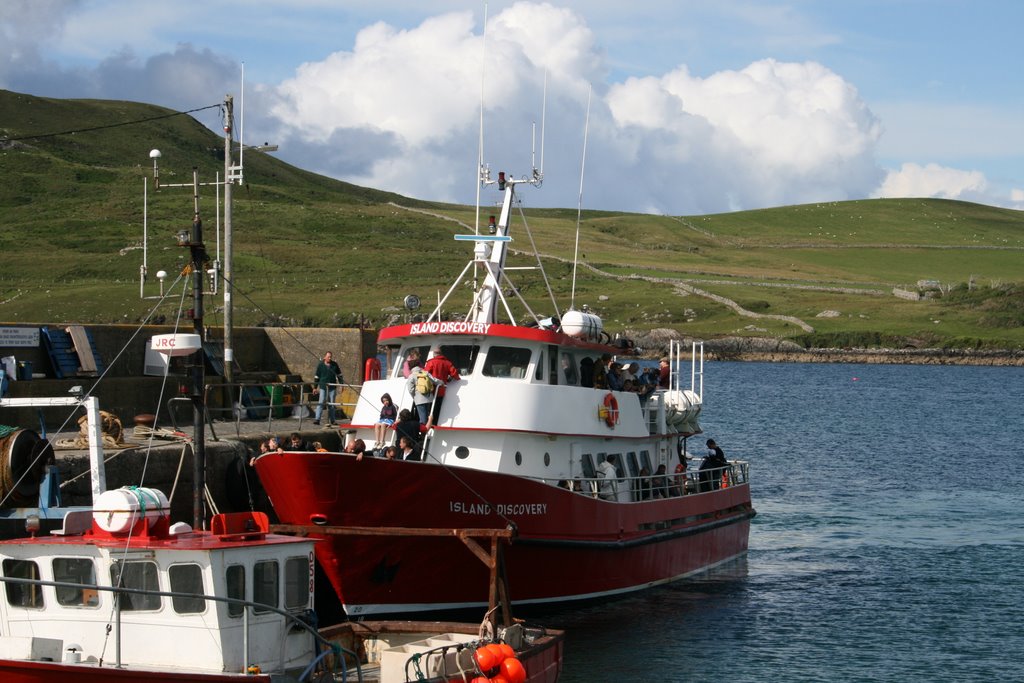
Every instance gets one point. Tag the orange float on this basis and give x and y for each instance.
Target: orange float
(507, 650)
(513, 670)
(485, 659)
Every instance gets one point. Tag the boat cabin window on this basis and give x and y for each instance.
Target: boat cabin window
(187, 578)
(569, 371)
(75, 570)
(138, 575)
(424, 351)
(634, 469)
(235, 578)
(22, 594)
(462, 356)
(587, 465)
(586, 371)
(645, 461)
(296, 582)
(552, 365)
(264, 585)
(506, 361)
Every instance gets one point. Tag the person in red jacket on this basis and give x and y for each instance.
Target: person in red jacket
(442, 369)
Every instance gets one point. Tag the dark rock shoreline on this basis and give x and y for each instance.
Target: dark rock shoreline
(782, 351)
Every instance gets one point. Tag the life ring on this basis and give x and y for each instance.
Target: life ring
(372, 370)
(609, 411)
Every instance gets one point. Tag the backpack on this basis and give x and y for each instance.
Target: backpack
(424, 384)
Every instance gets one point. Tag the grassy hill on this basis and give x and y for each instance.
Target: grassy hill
(315, 251)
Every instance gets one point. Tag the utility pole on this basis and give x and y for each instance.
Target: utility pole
(197, 252)
(229, 178)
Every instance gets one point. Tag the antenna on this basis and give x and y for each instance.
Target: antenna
(538, 174)
(241, 126)
(543, 120)
(480, 141)
(579, 205)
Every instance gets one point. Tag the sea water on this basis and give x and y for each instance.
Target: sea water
(888, 544)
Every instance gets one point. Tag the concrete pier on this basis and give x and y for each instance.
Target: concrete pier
(166, 464)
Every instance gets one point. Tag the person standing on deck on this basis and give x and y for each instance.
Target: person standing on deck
(711, 468)
(327, 377)
(609, 485)
(407, 425)
(422, 387)
(664, 371)
(441, 368)
(601, 371)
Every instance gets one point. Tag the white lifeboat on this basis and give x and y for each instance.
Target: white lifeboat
(176, 344)
(582, 325)
(682, 408)
(119, 510)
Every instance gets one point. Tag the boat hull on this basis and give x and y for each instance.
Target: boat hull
(12, 671)
(566, 545)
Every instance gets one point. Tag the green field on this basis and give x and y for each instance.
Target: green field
(313, 251)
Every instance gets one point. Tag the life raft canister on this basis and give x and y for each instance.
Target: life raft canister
(372, 369)
(609, 410)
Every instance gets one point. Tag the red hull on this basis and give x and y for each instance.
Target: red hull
(568, 546)
(42, 672)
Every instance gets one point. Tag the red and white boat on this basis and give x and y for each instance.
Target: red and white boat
(119, 594)
(512, 432)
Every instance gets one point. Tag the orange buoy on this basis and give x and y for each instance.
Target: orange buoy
(513, 670)
(485, 659)
(725, 479)
(499, 654)
(507, 650)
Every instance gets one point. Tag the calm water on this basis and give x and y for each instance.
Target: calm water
(888, 546)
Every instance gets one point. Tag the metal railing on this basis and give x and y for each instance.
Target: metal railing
(264, 401)
(649, 487)
(292, 620)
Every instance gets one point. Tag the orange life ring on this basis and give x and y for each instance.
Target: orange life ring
(611, 410)
(372, 370)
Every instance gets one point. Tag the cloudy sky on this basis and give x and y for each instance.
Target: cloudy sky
(694, 106)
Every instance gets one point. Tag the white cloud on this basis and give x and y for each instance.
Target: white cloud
(398, 108)
(772, 133)
(932, 180)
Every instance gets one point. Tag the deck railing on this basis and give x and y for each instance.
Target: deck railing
(263, 401)
(648, 487)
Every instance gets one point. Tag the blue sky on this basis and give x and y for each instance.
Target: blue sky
(696, 107)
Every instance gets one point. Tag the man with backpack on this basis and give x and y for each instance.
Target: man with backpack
(443, 371)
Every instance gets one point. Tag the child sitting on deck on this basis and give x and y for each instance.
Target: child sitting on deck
(388, 415)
